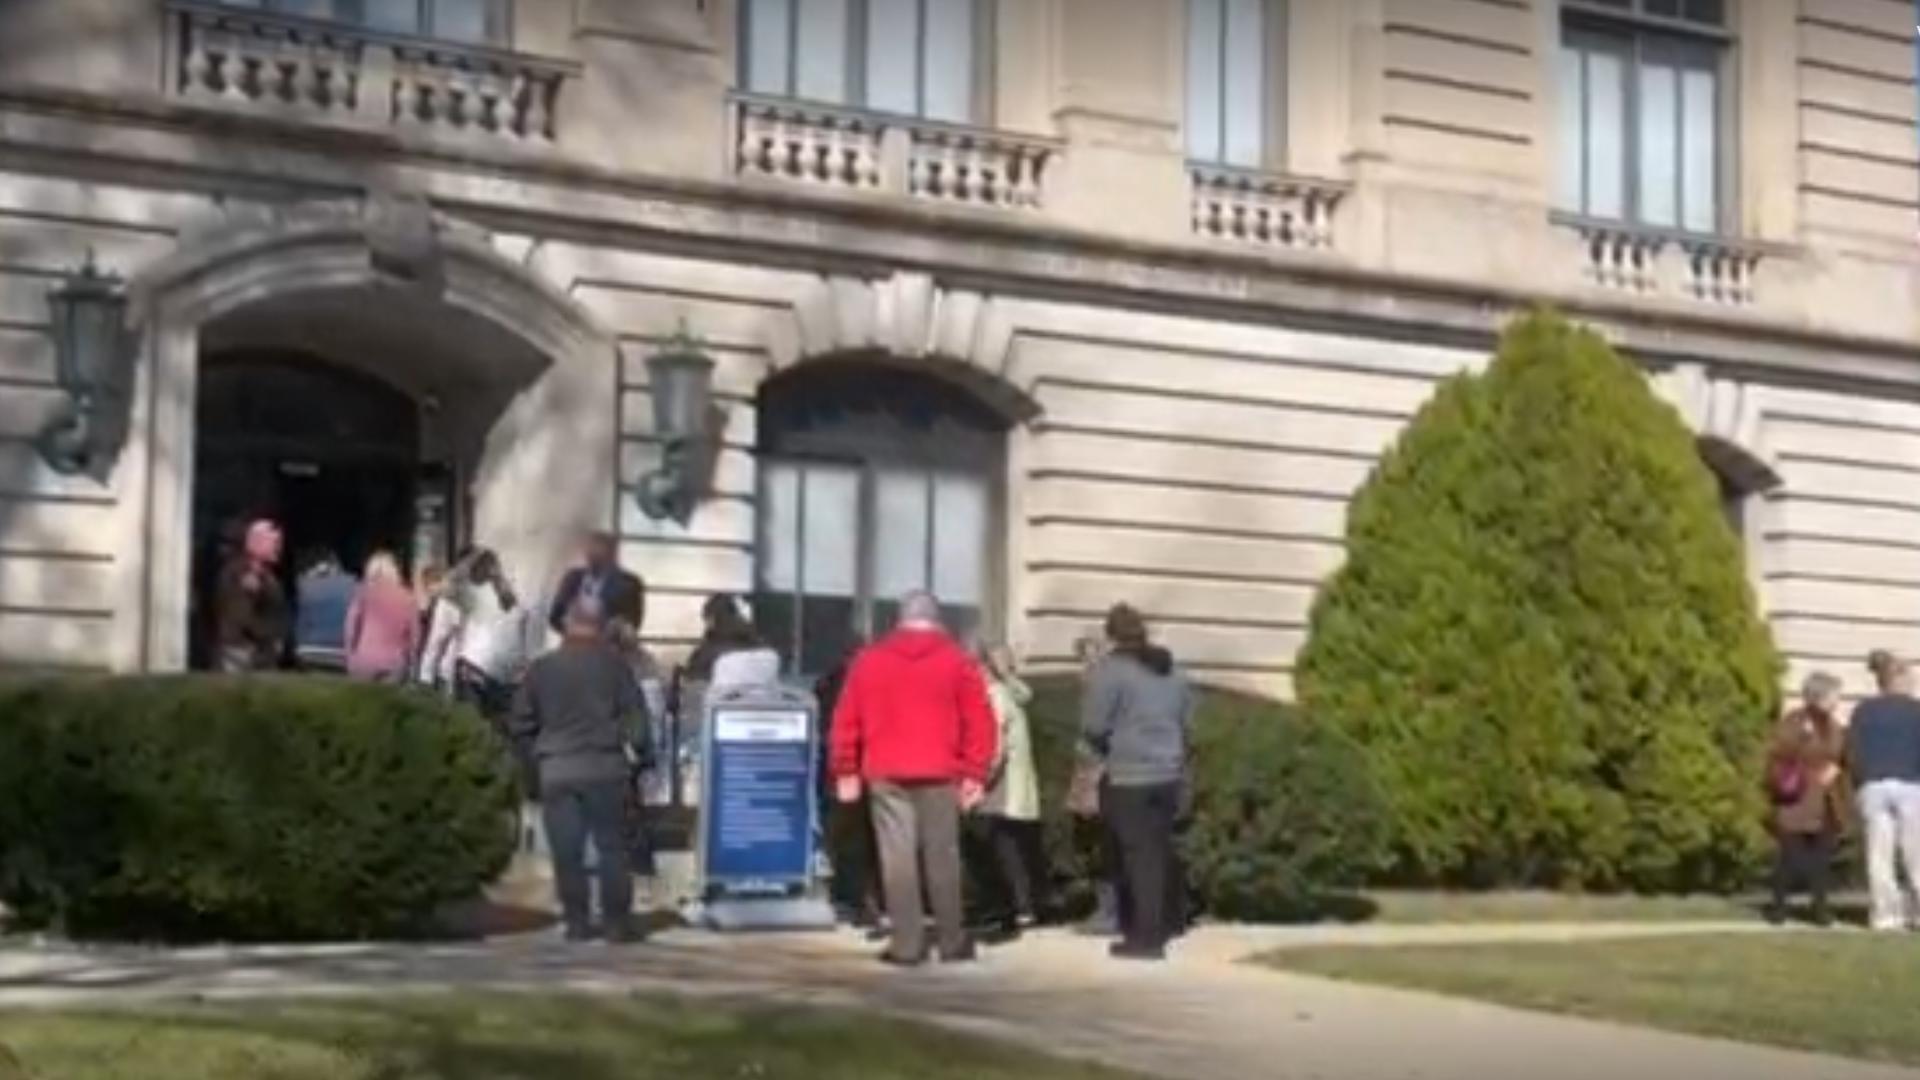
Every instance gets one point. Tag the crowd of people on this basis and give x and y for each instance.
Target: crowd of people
(927, 761)
(927, 764)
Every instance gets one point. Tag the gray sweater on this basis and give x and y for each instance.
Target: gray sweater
(1137, 714)
(579, 709)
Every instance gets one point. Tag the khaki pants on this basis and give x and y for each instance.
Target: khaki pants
(919, 825)
(1890, 811)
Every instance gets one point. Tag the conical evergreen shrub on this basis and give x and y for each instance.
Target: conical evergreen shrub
(1544, 636)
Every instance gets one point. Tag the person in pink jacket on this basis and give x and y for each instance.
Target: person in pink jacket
(383, 624)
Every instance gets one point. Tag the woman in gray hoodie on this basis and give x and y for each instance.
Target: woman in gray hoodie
(1137, 717)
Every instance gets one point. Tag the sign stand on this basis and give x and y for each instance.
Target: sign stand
(758, 812)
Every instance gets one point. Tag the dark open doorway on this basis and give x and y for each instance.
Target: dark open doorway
(331, 454)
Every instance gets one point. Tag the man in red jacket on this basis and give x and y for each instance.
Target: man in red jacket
(914, 726)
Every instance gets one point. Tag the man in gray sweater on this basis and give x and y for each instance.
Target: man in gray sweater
(579, 711)
(1137, 716)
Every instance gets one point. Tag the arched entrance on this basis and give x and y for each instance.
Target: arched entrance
(875, 480)
(332, 454)
(360, 371)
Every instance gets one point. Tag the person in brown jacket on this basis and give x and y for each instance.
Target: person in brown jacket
(1803, 779)
(250, 606)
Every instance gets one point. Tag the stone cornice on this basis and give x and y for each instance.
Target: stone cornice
(544, 194)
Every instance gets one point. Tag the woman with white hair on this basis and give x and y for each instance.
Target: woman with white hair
(1803, 777)
(382, 624)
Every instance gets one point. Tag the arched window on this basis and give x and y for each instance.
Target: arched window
(873, 481)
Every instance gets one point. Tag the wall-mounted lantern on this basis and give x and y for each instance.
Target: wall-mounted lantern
(95, 357)
(682, 384)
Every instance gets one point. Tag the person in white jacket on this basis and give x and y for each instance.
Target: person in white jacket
(481, 637)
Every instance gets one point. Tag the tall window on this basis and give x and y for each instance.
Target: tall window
(475, 22)
(914, 57)
(1643, 123)
(873, 482)
(1234, 103)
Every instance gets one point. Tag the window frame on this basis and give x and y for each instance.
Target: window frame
(868, 599)
(1639, 34)
(980, 96)
(500, 20)
(1274, 97)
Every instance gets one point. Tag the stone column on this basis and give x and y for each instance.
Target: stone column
(1118, 102)
(1768, 85)
(651, 98)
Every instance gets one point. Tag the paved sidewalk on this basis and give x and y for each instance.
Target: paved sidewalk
(1203, 1017)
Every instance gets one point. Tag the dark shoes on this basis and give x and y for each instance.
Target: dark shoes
(618, 932)
(625, 932)
(1123, 950)
(965, 954)
(1820, 915)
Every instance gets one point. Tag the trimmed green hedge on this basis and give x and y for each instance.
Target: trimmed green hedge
(244, 809)
(1286, 814)
(1544, 637)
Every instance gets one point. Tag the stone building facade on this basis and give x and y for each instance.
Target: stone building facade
(1046, 303)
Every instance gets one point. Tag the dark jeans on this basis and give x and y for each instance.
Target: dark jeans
(1013, 865)
(1093, 843)
(856, 859)
(1141, 820)
(1804, 858)
(573, 812)
(494, 701)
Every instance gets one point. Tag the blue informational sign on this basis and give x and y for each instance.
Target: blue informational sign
(757, 806)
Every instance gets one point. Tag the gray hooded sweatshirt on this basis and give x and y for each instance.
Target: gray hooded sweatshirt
(1137, 714)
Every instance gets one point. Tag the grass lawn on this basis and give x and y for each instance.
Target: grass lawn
(1411, 907)
(1842, 992)
(499, 1037)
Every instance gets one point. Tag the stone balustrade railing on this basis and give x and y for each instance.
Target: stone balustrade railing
(278, 63)
(852, 150)
(807, 144)
(252, 58)
(1264, 209)
(977, 168)
(475, 91)
(1653, 262)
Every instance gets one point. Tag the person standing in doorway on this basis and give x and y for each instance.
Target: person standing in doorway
(600, 578)
(250, 606)
(1011, 810)
(579, 717)
(383, 623)
(913, 724)
(1803, 775)
(322, 596)
(1137, 716)
(1883, 756)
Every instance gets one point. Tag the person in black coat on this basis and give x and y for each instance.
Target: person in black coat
(620, 594)
(851, 845)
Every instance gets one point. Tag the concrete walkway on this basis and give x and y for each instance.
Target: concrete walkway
(1203, 1017)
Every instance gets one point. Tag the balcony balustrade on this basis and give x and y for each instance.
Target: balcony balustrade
(829, 147)
(286, 65)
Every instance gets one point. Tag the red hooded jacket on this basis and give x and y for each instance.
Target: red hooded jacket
(914, 708)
